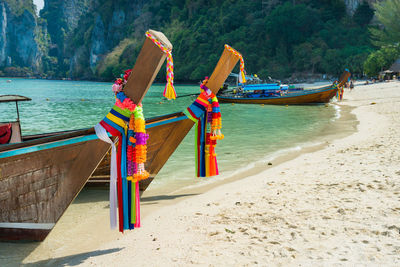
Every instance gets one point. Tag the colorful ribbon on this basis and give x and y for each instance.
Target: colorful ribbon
(102, 134)
(205, 112)
(169, 90)
(236, 53)
(126, 123)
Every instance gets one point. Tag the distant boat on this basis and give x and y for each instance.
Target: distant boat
(40, 175)
(8, 81)
(274, 94)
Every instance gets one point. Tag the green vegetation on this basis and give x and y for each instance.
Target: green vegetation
(276, 40)
(386, 36)
(381, 60)
(19, 6)
(16, 72)
(388, 14)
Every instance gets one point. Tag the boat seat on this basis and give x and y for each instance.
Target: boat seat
(10, 133)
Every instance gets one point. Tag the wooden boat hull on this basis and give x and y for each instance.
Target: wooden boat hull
(314, 96)
(37, 187)
(39, 178)
(38, 183)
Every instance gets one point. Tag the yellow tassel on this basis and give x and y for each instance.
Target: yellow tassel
(243, 76)
(170, 93)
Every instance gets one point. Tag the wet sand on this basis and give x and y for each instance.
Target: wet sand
(335, 203)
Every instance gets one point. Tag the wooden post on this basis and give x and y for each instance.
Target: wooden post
(147, 65)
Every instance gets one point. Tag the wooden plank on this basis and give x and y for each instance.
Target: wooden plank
(224, 67)
(147, 65)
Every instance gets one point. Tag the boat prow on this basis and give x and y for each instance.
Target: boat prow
(40, 177)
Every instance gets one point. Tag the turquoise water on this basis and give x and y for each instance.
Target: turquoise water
(252, 132)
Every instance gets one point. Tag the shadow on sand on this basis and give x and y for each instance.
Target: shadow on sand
(154, 199)
(72, 260)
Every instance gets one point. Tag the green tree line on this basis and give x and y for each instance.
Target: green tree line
(385, 36)
(276, 40)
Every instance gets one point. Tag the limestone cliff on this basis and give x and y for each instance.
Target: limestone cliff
(18, 32)
(99, 33)
(352, 5)
(86, 39)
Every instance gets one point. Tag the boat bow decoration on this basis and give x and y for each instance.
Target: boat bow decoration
(205, 112)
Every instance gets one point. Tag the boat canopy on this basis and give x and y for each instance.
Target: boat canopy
(13, 98)
(264, 86)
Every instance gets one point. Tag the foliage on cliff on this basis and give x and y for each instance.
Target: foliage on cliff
(19, 6)
(386, 36)
(96, 39)
(277, 38)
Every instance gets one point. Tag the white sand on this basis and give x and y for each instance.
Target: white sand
(336, 206)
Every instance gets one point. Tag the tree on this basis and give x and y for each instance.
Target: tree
(381, 60)
(388, 14)
(363, 14)
(288, 25)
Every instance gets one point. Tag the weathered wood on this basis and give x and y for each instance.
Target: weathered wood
(146, 68)
(37, 187)
(46, 138)
(224, 67)
(161, 145)
(222, 70)
(344, 78)
(23, 234)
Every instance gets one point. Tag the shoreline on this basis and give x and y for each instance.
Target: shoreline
(186, 205)
(347, 124)
(337, 205)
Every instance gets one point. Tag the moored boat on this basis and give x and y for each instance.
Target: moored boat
(275, 94)
(181, 127)
(41, 175)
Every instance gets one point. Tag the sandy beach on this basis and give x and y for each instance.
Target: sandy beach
(334, 204)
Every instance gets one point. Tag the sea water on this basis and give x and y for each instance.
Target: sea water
(253, 133)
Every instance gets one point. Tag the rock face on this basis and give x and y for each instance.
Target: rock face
(18, 44)
(71, 37)
(62, 18)
(352, 5)
(102, 29)
(98, 43)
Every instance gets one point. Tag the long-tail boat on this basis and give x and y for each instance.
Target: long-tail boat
(179, 125)
(41, 175)
(274, 95)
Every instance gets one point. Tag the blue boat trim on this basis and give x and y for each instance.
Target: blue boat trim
(183, 117)
(305, 92)
(73, 140)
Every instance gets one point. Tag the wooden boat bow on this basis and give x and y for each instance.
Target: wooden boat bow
(41, 177)
(181, 128)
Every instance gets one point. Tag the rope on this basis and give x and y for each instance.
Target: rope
(169, 91)
(236, 53)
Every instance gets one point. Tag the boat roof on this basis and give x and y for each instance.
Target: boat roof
(262, 86)
(13, 98)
